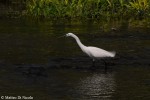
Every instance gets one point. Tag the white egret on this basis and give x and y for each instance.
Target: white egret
(93, 52)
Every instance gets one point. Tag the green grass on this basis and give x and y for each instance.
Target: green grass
(93, 9)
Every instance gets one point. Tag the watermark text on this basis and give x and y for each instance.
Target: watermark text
(16, 97)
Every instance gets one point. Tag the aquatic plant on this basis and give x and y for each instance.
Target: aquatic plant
(139, 7)
(87, 8)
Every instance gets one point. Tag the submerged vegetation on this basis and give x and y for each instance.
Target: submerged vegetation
(89, 8)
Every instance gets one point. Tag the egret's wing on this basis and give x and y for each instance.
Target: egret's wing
(98, 52)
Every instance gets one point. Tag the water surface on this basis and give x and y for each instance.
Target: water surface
(35, 62)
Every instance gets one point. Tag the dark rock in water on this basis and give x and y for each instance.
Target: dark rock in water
(77, 63)
(36, 70)
(32, 70)
(114, 29)
(131, 60)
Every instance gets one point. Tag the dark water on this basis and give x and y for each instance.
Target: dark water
(35, 62)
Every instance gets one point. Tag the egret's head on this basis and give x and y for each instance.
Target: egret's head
(69, 34)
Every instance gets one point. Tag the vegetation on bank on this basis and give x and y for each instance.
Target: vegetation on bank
(90, 9)
(93, 9)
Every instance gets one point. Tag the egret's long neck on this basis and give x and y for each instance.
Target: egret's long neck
(79, 42)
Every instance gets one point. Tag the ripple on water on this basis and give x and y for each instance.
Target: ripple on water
(98, 86)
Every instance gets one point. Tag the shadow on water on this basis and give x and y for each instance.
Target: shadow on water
(34, 62)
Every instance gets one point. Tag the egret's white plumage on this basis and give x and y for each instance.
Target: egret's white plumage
(93, 52)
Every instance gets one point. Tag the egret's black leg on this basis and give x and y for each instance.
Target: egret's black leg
(105, 65)
(93, 63)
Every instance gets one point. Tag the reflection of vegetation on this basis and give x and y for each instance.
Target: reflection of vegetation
(88, 8)
(12, 8)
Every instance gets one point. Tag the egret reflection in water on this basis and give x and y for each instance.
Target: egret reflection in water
(100, 86)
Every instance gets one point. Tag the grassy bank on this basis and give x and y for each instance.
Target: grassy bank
(76, 9)
(93, 9)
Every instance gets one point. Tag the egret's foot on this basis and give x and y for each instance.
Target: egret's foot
(93, 62)
(93, 65)
(105, 71)
(92, 68)
(105, 64)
